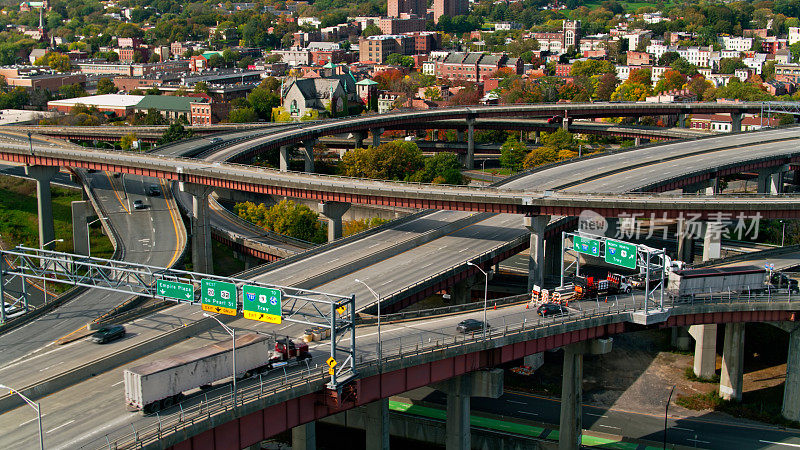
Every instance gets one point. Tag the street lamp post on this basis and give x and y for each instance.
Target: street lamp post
(30, 142)
(36, 406)
(485, 294)
(88, 238)
(232, 332)
(666, 415)
(378, 300)
(44, 282)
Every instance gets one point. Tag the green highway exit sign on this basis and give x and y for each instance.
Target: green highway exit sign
(175, 290)
(620, 253)
(260, 303)
(586, 246)
(218, 296)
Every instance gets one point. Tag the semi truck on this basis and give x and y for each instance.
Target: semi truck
(159, 384)
(688, 282)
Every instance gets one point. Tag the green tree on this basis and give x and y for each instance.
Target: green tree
(371, 30)
(262, 100)
(56, 61)
(287, 218)
(540, 156)
(442, 168)
(605, 86)
(175, 132)
(126, 141)
(591, 67)
(106, 86)
(72, 91)
(242, 115)
(671, 79)
(201, 87)
(394, 160)
(729, 65)
(512, 153)
(357, 226)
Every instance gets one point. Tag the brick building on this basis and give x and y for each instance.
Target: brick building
(474, 66)
(395, 25)
(376, 49)
(395, 8)
(450, 8)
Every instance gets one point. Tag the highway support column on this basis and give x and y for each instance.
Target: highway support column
(461, 291)
(705, 349)
(44, 203)
(81, 211)
(730, 382)
(308, 155)
(736, 122)
(376, 136)
(284, 158)
(304, 437)
(469, 162)
(457, 430)
(202, 257)
(536, 225)
(685, 242)
(377, 425)
(359, 137)
(681, 120)
(771, 181)
(791, 388)
(334, 212)
(571, 423)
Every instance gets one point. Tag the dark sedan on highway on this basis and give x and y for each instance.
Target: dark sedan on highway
(465, 326)
(108, 333)
(551, 309)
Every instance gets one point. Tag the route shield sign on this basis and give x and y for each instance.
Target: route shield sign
(260, 303)
(175, 290)
(218, 297)
(620, 253)
(586, 246)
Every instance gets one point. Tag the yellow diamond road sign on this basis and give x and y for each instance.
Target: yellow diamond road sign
(331, 362)
(330, 371)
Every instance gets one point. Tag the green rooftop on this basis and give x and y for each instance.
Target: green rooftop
(166, 103)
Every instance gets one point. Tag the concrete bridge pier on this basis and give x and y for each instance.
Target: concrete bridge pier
(736, 122)
(308, 155)
(461, 292)
(637, 141)
(202, 258)
(359, 137)
(712, 242)
(571, 423)
(334, 212)
(536, 225)
(730, 382)
(376, 136)
(771, 181)
(459, 390)
(680, 338)
(81, 212)
(705, 349)
(470, 160)
(377, 425)
(681, 120)
(284, 158)
(537, 135)
(44, 203)
(685, 242)
(565, 122)
(791, 388)
(304, 437)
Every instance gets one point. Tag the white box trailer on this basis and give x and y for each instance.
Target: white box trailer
(158, 384)
(687, 282)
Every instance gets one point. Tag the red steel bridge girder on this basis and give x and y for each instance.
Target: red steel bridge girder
(260, 425)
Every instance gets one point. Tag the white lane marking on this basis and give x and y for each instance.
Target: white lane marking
(609, 426)
(597, 415)
(29, 421)
(778, 443)
(684, 429)
(514, 401)
(526, 412)
(117, 383)
(50, 367)
(704, 442)
(60, 426)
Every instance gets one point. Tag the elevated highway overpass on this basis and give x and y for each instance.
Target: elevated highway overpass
(523, 231)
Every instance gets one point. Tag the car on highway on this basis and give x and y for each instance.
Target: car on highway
(13, 310)
(465, 326)
(138, 204)
(551, 309)
(638, 281)
(215, 140)
(153, 190)
(781, 280)
(108, 333)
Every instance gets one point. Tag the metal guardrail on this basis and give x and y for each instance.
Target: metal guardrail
(215, 404)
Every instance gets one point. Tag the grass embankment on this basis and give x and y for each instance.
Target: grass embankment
(19, 220)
